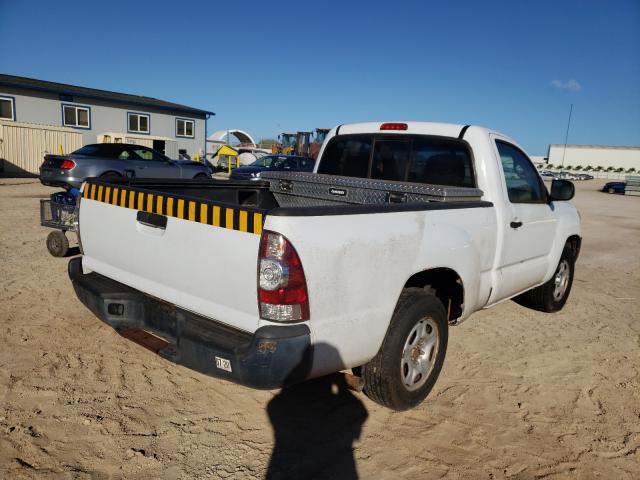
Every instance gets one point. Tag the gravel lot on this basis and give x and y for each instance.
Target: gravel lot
(522, 395)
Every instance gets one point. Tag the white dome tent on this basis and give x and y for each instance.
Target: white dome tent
(223, 137)
(243, 143)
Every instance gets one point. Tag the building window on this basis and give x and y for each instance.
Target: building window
(138, 122)
(184, 127)
(73, 116)
(7, 108)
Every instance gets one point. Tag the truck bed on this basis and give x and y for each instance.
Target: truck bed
(244, 205)
(151, 235)
(281, 193)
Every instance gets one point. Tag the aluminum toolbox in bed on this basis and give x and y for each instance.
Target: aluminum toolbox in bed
(302, 189)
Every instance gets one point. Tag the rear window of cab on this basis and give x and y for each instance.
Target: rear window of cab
(406, 158)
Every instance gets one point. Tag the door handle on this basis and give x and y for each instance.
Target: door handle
(151, 219)
(515, 224)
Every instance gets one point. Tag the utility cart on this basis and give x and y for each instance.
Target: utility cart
(60, 212)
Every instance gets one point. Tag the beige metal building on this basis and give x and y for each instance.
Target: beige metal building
(594, 156)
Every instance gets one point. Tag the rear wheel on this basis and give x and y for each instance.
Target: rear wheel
(409, 361)
(108, 176)
(57, 244)
(551, 296)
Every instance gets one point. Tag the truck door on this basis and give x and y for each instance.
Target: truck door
(530, 225)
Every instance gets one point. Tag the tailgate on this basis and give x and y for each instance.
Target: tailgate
(198, 255)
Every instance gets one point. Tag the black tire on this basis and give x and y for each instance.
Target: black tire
(383, 376)
(545, 298)
(201, 176)
(57, 244)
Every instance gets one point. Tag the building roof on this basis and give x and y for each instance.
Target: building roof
(612, 147)
(93, 93)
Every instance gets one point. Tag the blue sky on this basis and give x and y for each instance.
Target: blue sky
(267, 67)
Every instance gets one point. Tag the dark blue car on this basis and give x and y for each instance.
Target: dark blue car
(273, 163)
(614, 187)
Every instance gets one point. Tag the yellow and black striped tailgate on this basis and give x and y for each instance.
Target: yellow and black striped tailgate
(243, 219)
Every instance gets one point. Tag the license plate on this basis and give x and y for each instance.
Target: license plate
(46, 173)
(223, 364)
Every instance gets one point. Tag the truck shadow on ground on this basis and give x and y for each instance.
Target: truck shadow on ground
(73, 251)
(315, 424)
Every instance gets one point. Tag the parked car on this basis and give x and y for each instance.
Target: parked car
(614, 187)
(574, 176)
(273, 163)
(567, 176)
(115, 160)
(403, 230)
(548, 175)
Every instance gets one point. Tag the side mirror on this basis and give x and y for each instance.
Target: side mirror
(562, 190)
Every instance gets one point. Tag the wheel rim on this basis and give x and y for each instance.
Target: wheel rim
(54, 243)
(561, 280)
(419, 353)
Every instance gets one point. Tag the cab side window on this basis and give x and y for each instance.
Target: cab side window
(523, 183)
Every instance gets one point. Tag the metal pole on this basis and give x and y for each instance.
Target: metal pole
(206, 118)
(566, 136)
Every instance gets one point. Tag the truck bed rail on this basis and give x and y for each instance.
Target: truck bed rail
(210, 212)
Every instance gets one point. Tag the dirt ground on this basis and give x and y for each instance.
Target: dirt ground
(522, 395)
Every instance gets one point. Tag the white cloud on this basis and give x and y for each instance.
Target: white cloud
(568, 86)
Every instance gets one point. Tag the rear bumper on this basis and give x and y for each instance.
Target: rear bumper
(52, 178)
(271, 357)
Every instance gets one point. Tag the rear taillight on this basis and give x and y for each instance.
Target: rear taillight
(393, 126)
(67, 165)
(282, 287)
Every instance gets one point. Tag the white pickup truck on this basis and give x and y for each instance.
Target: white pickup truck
(238, 281)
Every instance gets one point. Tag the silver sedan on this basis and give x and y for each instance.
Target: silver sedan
(115, 160)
